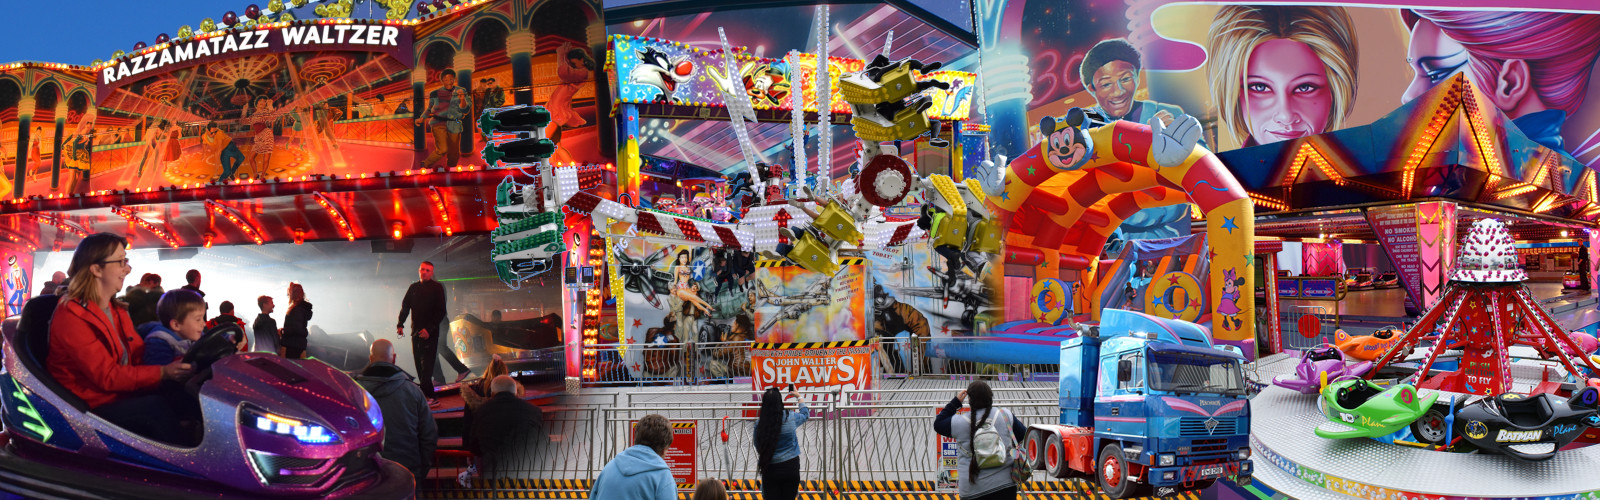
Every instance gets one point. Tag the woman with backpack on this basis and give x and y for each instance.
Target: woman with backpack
(777, 446)
(986, 448)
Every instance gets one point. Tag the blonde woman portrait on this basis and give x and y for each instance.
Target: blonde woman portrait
(1280, 72)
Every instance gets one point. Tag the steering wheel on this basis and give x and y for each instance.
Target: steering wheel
(218, 343)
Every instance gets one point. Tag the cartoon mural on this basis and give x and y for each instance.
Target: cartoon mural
(282, 104)
(545, 49)
(1281, 72)
(1260, 74)
(44, 136)
(16, 285)
(952, 291)
(682, 298)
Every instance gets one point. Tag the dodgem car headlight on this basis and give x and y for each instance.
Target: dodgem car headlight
(302, 431)
(374, 412)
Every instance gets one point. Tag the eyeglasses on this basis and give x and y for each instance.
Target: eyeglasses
(123, 261)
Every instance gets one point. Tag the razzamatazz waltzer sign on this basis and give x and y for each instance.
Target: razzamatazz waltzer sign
(393, 40)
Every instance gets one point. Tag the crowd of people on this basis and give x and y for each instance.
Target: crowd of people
(125, 358)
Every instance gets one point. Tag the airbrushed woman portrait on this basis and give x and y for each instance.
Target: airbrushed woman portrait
(1281, 72)
(1535, 66)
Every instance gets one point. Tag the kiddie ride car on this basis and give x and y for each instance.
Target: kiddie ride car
(1521, 426)
(273, 427)
(1320, 365)
(1361, 408)
(1528, 427)
(1369, 347)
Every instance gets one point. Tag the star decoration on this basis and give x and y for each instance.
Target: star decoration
(1173, 279)
(1158, 301)
(1249, 259)
(944, 329)
(1031, 170)
(1227, 223)
(1194, 303)
(637, 323)
(1006, 196)
(1212, 254)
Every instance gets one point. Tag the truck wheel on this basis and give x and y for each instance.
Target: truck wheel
(1113, 473)
(1431, 428)
(1055, 457)
(1035, 449)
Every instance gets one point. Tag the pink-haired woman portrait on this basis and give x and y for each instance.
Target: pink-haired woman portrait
(1535, 66)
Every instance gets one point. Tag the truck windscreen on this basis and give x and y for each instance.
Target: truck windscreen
(1198, 373)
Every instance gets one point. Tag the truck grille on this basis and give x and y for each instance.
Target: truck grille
(1200, 446)
(1196, 426)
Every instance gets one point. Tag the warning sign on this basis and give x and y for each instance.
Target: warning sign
(949, 475)
(680, 455)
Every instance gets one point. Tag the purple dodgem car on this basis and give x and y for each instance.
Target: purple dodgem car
(273, 428)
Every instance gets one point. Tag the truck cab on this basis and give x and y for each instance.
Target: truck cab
(1153, 403)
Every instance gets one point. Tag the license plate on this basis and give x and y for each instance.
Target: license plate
(1211, 471)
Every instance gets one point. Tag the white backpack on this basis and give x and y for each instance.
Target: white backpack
(988, 447)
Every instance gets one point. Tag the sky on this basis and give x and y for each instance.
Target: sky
(32, 30)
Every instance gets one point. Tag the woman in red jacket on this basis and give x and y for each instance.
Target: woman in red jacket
(94, 349)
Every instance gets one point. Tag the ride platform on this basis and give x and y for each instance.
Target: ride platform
(1369, 469)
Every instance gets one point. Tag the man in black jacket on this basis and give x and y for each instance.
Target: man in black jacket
(410, 434)
(425, 303)
(193, 279)
(506, 432)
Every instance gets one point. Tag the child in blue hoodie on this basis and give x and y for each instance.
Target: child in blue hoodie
(182, 318)
(639, 472)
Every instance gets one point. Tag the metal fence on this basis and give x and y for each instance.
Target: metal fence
(860, 435)
(678, 363)
(1296, 339)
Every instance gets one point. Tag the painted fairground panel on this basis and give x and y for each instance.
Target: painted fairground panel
(676, 295)
(46, 130)
(657, 70)
(514, 52)
(260, 104)
(1502, 91)
(918, 292)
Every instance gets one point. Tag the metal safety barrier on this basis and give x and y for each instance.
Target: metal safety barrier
(1296, 339)
(877, 438)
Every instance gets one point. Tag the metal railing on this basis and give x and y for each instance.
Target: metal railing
(856, 435)
(1295, 339)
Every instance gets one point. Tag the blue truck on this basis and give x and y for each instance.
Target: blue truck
(1148, 406)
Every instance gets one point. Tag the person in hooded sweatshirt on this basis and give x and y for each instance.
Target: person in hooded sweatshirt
(410, 434)
(182, 319)
(639, 472)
